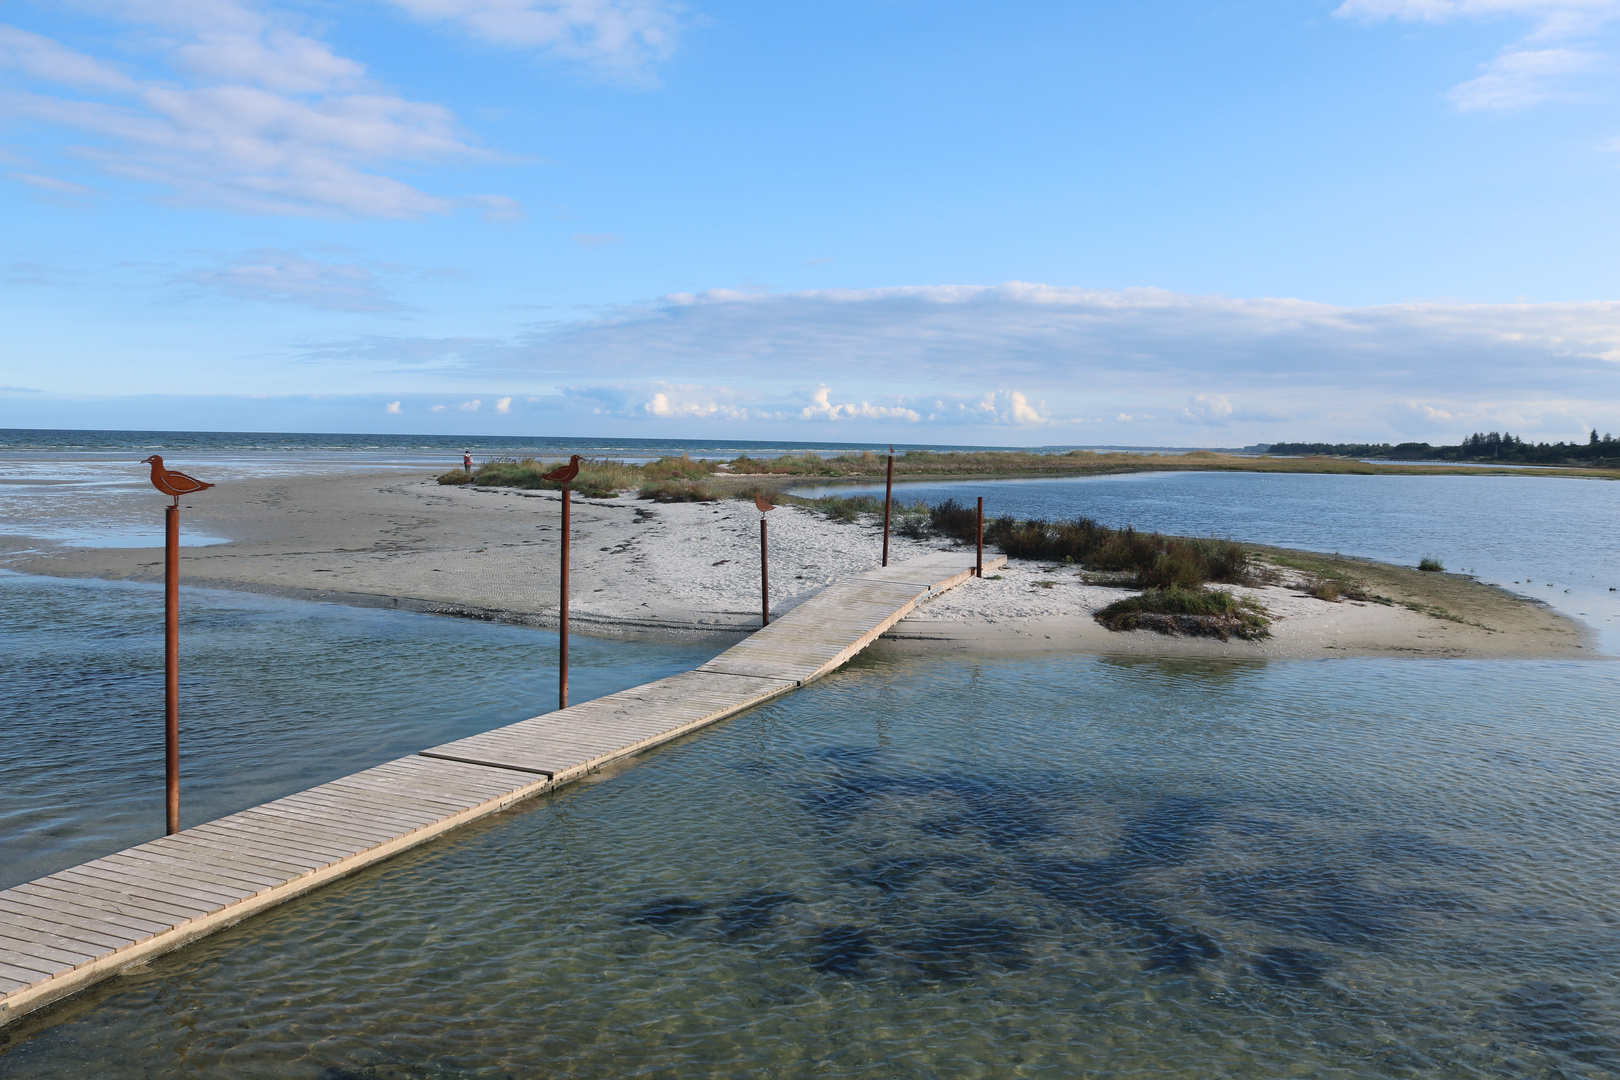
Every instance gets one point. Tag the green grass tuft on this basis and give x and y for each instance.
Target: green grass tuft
(1431, 564)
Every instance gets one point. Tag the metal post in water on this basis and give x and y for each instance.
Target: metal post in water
(171, 664)
(888, 501)
(562, 624)
(564, 476)
(764, 577)
(174, 484)
(978, 563)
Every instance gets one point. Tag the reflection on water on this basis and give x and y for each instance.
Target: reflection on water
(1060, 866)
(276, 696)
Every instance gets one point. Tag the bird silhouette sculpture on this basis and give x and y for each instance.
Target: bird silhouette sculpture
(565, 474)
(171, 482)
(764, 507)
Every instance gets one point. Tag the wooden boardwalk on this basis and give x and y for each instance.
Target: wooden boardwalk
(65, 931)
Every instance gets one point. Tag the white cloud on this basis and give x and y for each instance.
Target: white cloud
(1526, 73)
(247, 114)
(1517, 80)
(701, 402)
(821, 407)
(504, 405)
(619, 38)
(1021, 356)
(1207, 409)
(269, 274)
(471, 406)
(392, 407)
(440, 408)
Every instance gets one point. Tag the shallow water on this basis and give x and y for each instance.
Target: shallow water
(1064, 867)
(1551, 538)
(275, 696)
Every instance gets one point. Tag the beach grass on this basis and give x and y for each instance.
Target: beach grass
(1149, 560)
(597, 479)
(1431, 564)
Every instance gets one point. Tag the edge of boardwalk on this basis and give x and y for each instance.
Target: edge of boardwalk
(64, 932)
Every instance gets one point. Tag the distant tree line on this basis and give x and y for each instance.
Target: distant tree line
(1484, 447)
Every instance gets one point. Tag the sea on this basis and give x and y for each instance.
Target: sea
(960, 866)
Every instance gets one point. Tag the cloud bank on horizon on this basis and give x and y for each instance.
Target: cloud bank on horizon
(338, 224)
(1061, 364)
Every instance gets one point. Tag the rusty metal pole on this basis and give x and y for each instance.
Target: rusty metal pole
(764, 577)
(978, 563)
(171, 664)
(562, 626)
(888, 501)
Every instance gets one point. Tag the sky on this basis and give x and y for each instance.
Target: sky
(1154, 223)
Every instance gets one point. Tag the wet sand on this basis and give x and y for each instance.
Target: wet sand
(692, 570)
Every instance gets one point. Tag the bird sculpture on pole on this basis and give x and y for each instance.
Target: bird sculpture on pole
(171, 481)
(173, 484)
(765, 507)
(564, 476)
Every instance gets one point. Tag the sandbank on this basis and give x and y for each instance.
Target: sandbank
(692, 570)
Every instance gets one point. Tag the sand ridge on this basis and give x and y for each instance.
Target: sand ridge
(692, 569)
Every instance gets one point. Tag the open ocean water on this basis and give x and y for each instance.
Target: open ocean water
(918, 867)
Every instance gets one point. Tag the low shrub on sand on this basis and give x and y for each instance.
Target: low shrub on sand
(456, 476)
(1152, 560)
(1195, 612)
(1431, 564)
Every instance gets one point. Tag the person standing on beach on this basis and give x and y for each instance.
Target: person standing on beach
(466, 463)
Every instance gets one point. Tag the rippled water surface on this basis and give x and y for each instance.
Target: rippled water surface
(275, 696)
(1057, 867)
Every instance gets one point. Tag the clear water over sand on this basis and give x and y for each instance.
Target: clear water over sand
(1056, 867)
(276, 696)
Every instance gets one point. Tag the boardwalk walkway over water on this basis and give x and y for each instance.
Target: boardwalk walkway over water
(65, 931)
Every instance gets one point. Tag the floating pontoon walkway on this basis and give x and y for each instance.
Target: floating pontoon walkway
(65, 931)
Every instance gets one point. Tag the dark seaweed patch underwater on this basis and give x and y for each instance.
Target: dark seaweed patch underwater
(937, 869)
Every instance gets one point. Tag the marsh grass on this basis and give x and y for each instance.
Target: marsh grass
(672, 491)
(456, 476)
(1431, 564)
(1195, 612)
(678, 468)
(847, 508)
(597, 479)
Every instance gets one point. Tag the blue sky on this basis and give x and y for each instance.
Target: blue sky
(1013, 224)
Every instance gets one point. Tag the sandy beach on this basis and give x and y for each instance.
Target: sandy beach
(691, 570)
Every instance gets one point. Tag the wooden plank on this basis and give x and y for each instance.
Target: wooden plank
(98, 938)
(23, 905)
(51, 948)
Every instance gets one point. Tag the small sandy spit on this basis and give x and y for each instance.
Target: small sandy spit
(692, 569)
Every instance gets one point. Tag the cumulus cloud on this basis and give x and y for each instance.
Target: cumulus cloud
(504, 405)
(822, 407)
(392, 407)
(1528, 72)
(471, 406)
(246, 113)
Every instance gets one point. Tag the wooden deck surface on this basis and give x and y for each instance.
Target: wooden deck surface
(65, 931)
